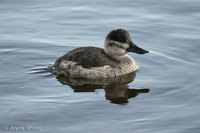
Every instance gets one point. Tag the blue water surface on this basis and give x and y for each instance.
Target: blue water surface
(34, 33)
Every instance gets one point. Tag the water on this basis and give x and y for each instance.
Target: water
(34, 33)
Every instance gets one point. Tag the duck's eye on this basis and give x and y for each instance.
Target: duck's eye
(110, 44)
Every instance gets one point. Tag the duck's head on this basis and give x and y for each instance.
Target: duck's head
(118, 42)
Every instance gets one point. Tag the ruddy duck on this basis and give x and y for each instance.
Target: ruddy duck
(93, 62)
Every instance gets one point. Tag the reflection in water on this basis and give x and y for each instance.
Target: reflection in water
(121, 93)
(116, 89)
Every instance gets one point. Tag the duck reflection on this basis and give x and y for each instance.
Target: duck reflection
(121, 93)
(116, 89)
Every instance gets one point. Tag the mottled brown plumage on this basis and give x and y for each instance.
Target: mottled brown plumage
(88, 57)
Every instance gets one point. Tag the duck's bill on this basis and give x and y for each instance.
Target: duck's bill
(134, 48)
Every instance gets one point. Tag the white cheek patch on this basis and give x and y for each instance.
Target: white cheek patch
(124, 45)
(116, 50)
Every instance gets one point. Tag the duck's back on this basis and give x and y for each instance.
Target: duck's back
(86, 57)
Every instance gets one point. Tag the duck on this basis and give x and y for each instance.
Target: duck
(91, 62)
